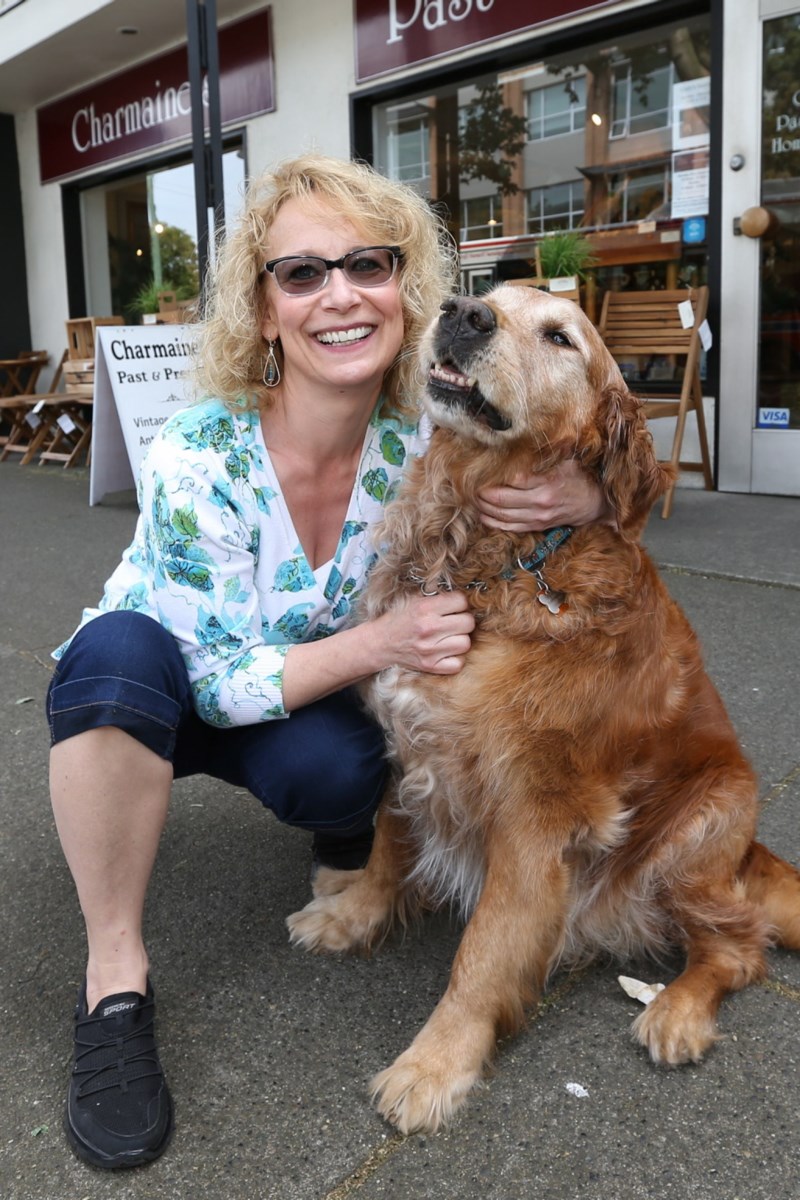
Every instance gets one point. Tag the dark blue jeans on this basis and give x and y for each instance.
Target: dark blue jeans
(322, 768)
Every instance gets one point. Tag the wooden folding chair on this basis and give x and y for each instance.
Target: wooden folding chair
(648, 324)
(70, 432)
(31, 417)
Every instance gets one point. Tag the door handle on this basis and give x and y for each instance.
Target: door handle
(755, 222)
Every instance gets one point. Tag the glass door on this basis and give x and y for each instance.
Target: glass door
(760, 293)
(140, 237)
(778, 389)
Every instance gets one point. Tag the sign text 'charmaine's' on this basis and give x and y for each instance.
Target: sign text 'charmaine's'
(121, 348)
(90, 128)
(148, 106)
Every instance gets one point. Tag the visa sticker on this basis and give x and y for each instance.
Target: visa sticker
(773, 418)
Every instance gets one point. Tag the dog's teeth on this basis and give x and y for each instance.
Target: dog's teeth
(453, 377)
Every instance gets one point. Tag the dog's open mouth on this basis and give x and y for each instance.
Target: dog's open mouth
(454, 389)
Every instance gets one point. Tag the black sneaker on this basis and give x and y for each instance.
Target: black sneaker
(119, 1111)
(342, 852)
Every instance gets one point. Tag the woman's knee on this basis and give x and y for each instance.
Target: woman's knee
(325, 769)
(121, 669)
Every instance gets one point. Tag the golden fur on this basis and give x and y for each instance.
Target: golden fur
(577, 788)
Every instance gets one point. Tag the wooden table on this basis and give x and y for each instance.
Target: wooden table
(18, 376)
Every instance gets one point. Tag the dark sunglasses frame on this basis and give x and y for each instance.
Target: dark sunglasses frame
(333, 264)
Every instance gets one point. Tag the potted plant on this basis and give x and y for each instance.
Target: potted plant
(149, 303)
(565, 256)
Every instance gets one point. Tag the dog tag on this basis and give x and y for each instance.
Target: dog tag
(554, 602)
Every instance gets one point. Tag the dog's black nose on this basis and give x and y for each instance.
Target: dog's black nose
(465, 317)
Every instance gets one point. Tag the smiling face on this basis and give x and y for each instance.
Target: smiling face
(343, 337)
(518, 363)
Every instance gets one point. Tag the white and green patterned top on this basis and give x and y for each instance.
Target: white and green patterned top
(216, 560)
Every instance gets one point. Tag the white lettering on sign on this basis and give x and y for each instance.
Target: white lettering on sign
(90, 128)
(434, 13)
(784, 145)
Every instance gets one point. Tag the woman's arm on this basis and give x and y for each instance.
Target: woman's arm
(565, 496)
(203, 532)
(423, 633)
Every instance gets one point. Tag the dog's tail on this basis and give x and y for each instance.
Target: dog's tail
(774, 885)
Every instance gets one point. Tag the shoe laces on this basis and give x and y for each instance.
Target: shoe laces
(107, 1059)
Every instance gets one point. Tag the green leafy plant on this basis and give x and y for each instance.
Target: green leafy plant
(566, 252)
(146, 299)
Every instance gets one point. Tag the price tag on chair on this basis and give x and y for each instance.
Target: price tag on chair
(706, 340)
(32, 419)
(686, 314)
(66, 423)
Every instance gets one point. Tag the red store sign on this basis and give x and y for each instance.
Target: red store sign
(391, 34)
(149, 106)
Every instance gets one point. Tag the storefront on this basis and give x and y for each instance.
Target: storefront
(121, 150)
(617, 137)
(629, 136)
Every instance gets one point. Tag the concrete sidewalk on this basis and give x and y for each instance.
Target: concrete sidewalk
(268, 1050)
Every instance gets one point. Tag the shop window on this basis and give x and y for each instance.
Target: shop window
(140, 236)
(559, 206)
(609, 137)
(481, 218)
(556, 109)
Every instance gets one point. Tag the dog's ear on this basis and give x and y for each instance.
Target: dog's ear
(629, 473)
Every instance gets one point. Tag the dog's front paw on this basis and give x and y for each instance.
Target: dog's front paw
(328, 881)
(420, 1095)
(318, 927)
(346, 920)
(676, 1027)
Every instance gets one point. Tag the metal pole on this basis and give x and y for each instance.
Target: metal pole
(155, 241)
(201, 41)
(214, 150)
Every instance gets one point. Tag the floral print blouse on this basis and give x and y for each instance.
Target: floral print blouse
(216, 560)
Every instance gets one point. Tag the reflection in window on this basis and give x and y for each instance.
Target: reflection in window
(637, 196)
(583, 138)
(556, 109)
(481, 218)
(559, 206)
(407, 143)
(640, 99)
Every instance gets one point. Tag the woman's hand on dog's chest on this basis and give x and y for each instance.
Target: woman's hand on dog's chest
(427, 633)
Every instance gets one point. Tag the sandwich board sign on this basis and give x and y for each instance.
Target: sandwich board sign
(140, 379)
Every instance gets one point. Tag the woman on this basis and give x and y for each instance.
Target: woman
(252, 546)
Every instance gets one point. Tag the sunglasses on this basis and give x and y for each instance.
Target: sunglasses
(303, 274)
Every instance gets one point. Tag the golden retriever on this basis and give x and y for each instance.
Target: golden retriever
(577, 788)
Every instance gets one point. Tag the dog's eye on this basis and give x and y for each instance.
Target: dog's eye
(558, 337)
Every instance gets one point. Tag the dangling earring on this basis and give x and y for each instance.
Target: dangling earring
(272, 372)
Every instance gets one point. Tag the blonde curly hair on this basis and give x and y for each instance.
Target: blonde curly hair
(231, 349)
